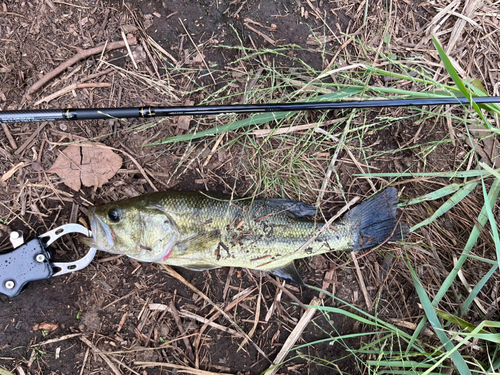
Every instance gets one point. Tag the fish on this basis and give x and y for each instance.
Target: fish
(203, 231)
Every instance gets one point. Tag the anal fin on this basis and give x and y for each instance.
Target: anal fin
(288, 273)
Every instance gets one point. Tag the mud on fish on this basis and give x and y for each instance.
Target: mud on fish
(200, 231)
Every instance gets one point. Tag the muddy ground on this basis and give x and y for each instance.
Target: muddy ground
(109, 307)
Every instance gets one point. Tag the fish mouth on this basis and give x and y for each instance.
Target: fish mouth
(93, 241)
(105, 227)
(90, 241)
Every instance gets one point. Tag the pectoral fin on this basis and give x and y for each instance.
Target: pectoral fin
(198, 243)
(288, 273)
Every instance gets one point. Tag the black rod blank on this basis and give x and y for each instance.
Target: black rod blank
(148, 112)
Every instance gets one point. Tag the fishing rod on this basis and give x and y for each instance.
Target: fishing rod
(148, 112)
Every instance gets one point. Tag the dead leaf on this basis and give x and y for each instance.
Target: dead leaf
(148, 21)
(138, 53)
(90, 164)
(184, 121)
(318, 40)
(45, 327)
(489, 150)
(198, 58)
(67, 166)
(129, 28)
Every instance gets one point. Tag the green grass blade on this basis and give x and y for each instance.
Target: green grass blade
(487, 168)
(490, 337)
(493, 224)
(474, 235)
(454, 75)
(437, 194)
(336, 338)
(475, 291)
(448, 205)
(253, 120)
(479, 333)
(405, 364)
(455, 174)
(335, 310)
(484, 260)
(457, 358)
(369, 319)
(258, 119)
(458, 321)
(481, 221)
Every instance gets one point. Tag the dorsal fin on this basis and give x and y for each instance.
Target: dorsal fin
(288, 273)
(289, 207)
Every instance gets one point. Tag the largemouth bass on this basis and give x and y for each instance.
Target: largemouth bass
(201, 231)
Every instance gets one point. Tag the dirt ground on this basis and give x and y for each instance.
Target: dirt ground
(113, 316)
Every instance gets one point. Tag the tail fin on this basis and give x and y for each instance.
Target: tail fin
(375, 220)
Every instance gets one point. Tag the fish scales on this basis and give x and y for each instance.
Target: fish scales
(202, 231)
(250, 234)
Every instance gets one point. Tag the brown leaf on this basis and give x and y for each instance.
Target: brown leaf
(67, 166)
(138, 53)
(90, 164)
(184, 121)
(99, 165)
(45, 327)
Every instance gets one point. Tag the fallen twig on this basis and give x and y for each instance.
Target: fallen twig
(287, 292)
(175, 314)
(257, 316)
(9, 136)
(129, 50)
(237, 299)
(98, 351)
(268, 39)
(291, 129)
(35, 134)
(190, 315)
(178, 367)
(362, 282)
(159, 48)
(294, 336)
(71, 88)
(62, 338)
(82, 54)
(11, 171)
(173, 273)
(198, 50)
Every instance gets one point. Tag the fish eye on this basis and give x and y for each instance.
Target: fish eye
(115, 215)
